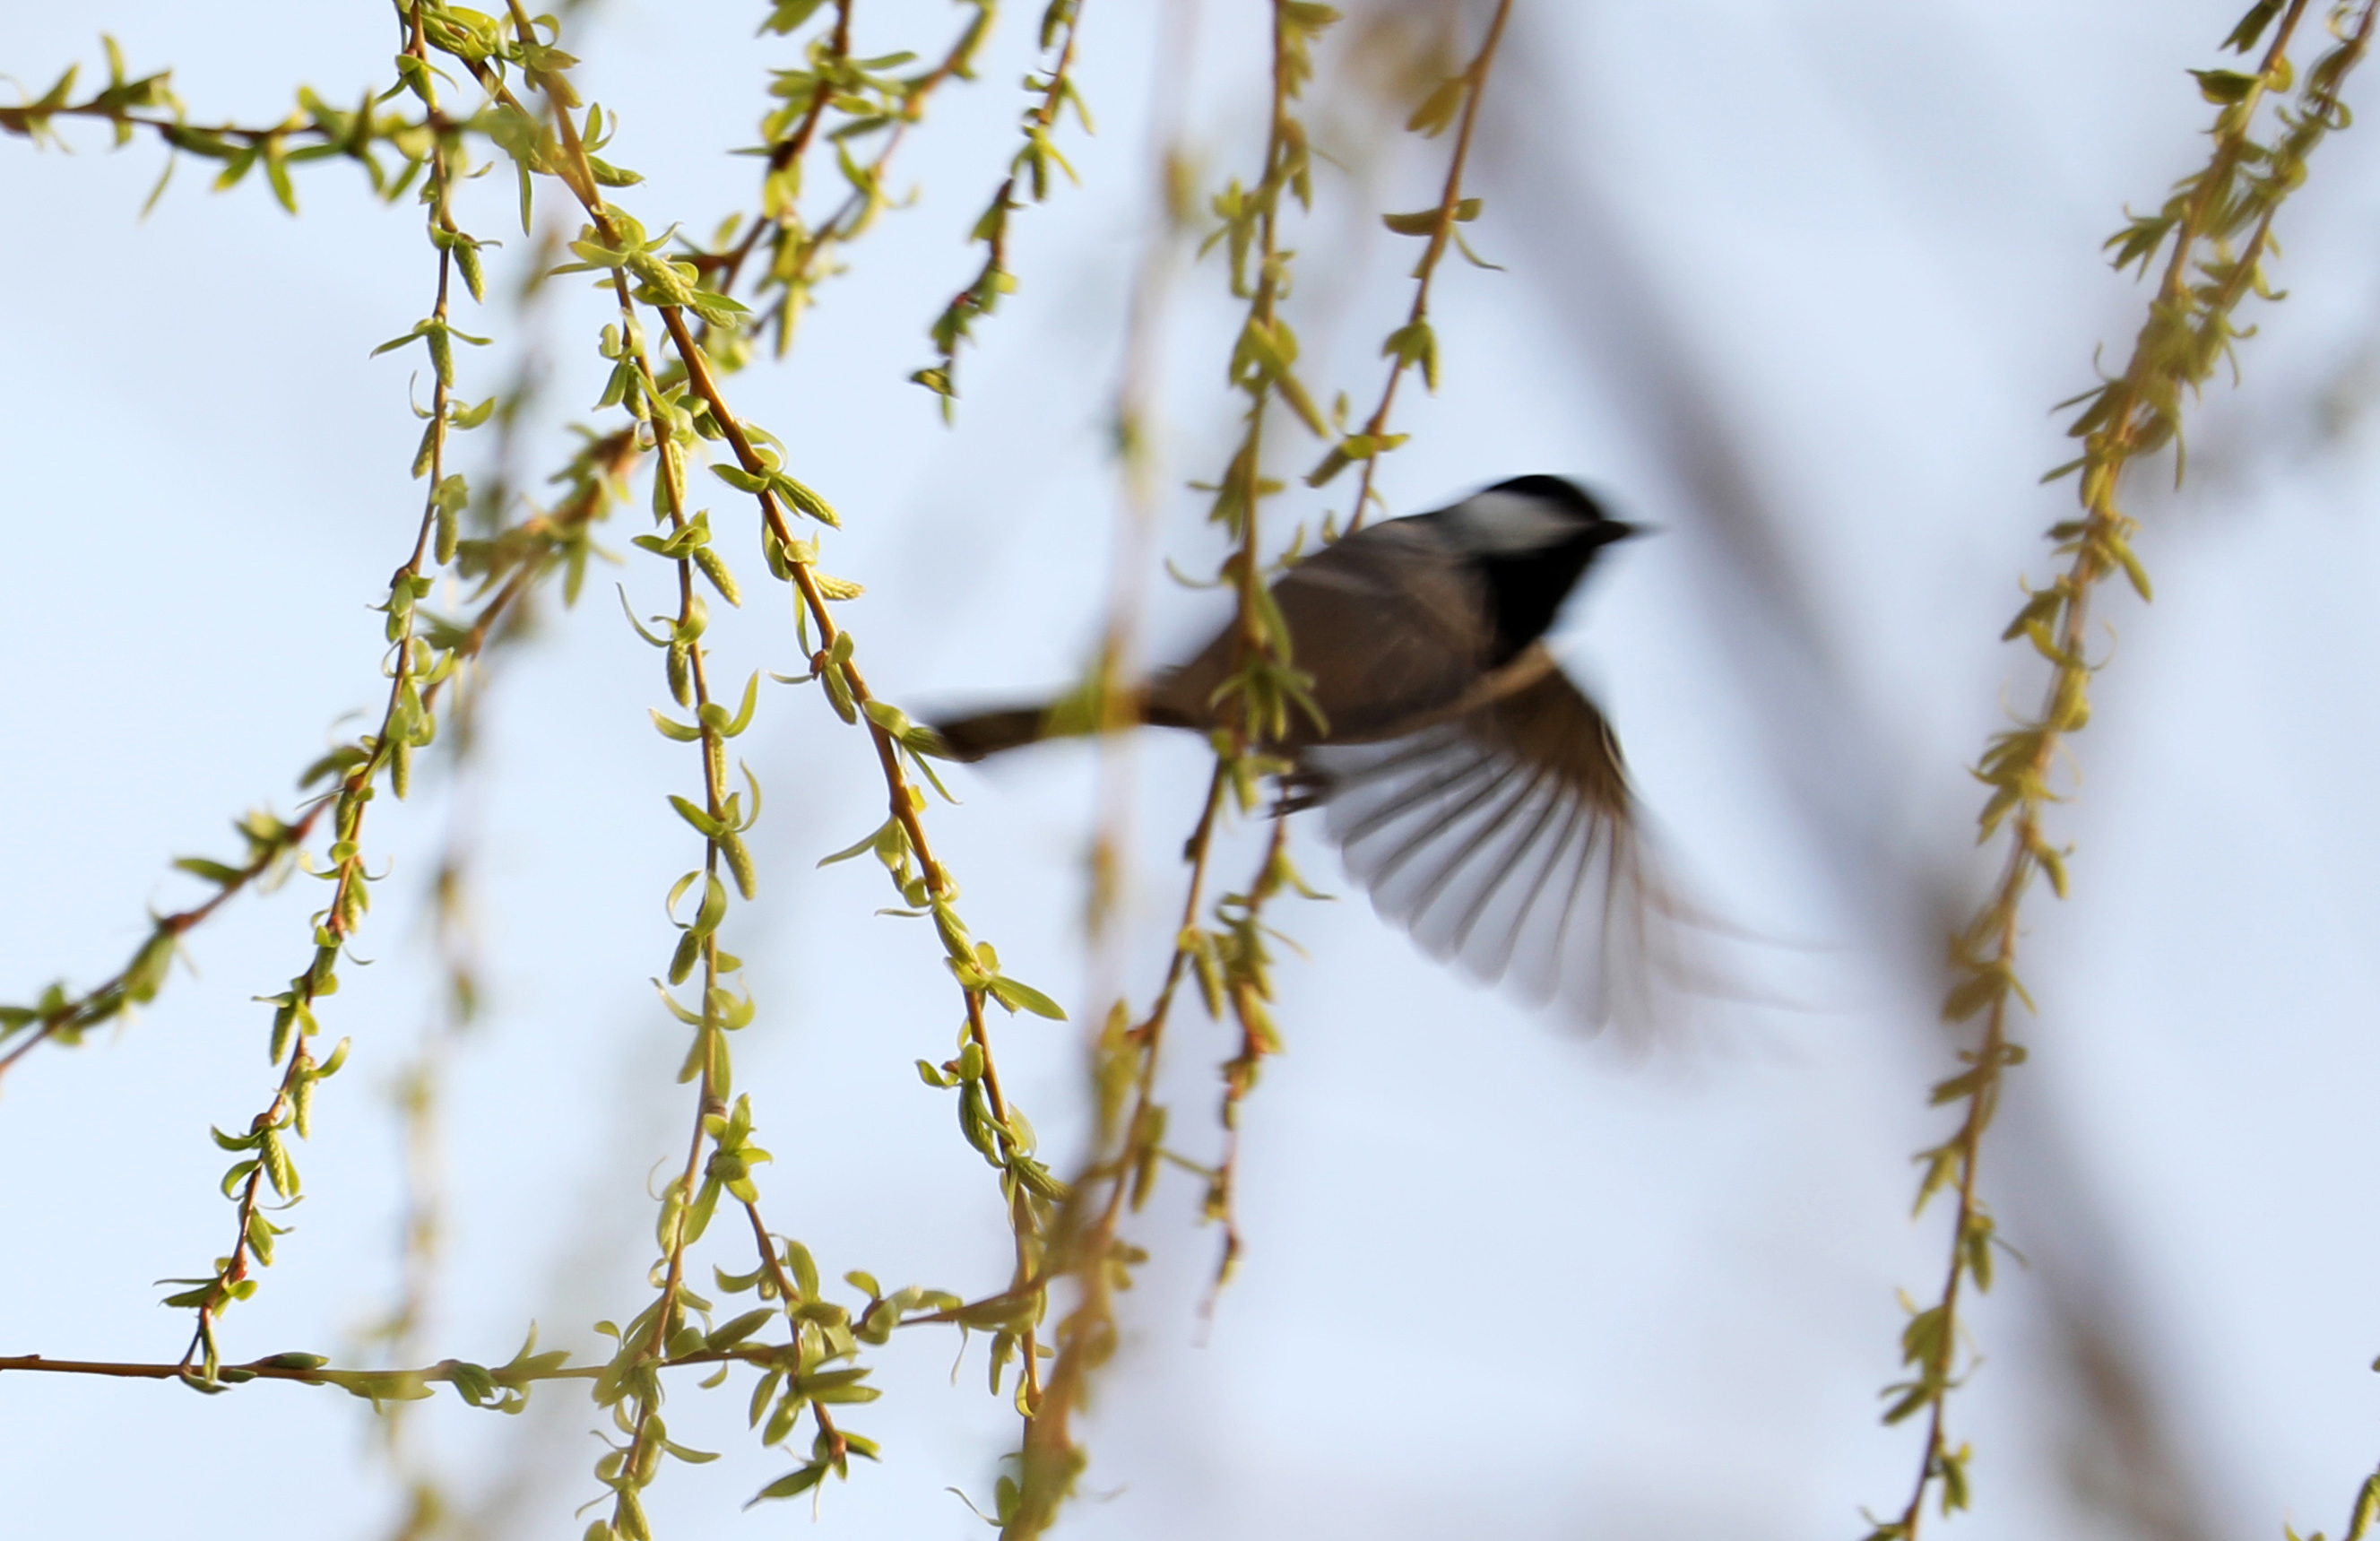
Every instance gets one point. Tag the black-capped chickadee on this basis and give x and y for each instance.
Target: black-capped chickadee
(1473, 789)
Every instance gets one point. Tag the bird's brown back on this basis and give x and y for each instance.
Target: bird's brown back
(1388, 629)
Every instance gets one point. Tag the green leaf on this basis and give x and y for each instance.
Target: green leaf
(2224, 85)
(1973, 993)
(1414, 343)
(692, 1019)
(866, 843)
(2251, 26)
(472, 1382)
(804, 499)
(276, 173)
(709, 827)
(789, 15)
(1437, 109)
(1473, 258)
(804, 1268)
(1016, 995)
(146, 973)
(743, 1326)
(793, 1483)
(743, 718)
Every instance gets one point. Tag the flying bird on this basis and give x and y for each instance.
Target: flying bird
(1472, 787)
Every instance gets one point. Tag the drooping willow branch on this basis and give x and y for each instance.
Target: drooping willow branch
(421, 1088)
(508, 565)
(314, 131)
(60, 1019)
(323, 132)
(1061, 22)
(1255, 702)
(2217, 230)
(681, 406)
(1415, 342)
(417, 669)
(1241, 969)
(871, 101)
(1114, 677)
(667, 377)
(2361, 1518)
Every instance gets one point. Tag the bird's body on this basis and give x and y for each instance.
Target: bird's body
(1475, 792)
(1387, 627)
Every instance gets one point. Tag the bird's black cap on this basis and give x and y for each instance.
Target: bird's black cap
(1573, 499)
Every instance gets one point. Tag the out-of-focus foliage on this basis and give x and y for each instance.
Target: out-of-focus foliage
(471, 92)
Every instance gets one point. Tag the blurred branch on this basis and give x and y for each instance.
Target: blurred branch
(1252, 710)
(1839, 752)
(56, 1016)
(1840, 757)
(870, 101)
(1414, 343)
(2188, 332)
(1053, 89)
(2361, 1518)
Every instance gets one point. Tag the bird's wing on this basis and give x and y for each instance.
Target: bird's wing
(1383, 624)
(1505, 837)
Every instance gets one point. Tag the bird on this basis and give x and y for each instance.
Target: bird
(1472, 787)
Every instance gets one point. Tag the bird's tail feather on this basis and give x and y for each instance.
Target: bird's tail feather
(987, 732)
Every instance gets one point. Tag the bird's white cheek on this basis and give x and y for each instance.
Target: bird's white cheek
(1501, 524)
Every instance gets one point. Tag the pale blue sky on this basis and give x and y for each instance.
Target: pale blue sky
(1819, 267)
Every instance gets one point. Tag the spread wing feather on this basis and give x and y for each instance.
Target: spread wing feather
(1505, 839)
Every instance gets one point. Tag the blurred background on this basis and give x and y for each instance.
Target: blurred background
(1797, 283)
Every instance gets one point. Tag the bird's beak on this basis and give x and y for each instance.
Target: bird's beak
(1613, 530)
